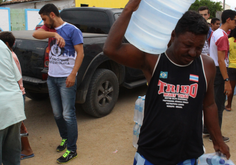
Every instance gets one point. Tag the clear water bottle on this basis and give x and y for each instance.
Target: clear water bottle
(138, 132)
(136, 109)
(214, 159)
(142, 105)
(135, 135)
(151, 25)
(140, 112)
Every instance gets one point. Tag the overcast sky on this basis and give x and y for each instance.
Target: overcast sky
(231, 3)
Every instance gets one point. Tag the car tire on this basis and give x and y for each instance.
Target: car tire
(102, 93)
(37, 96)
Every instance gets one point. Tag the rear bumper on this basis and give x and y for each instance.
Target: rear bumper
(35, 84)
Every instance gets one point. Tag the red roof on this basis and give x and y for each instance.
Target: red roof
(15, 1)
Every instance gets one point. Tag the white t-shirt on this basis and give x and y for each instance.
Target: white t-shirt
(11, 99)
(219, 42)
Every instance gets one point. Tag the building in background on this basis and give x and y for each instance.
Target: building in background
(23, 14)
(226, 6)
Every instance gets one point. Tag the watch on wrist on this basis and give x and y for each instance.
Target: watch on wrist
(227, 79)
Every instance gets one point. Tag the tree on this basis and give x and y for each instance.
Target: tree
(2, 1)
(213, 6)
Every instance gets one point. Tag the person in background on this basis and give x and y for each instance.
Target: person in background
(232, 67)
(219, 46)
(65, 57)
(215, 23)
(12, 108)
(205, 13)
(172, 132)
(9, 40)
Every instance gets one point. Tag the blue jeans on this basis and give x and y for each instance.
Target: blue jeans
(63, 106)
(10, 145)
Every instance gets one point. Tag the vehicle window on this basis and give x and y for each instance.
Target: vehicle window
(90, 22)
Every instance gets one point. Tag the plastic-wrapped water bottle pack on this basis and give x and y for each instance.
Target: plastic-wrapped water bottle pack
(214, 159)
(138, 118)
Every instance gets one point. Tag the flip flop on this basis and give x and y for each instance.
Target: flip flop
(229, 110)
(26, 156)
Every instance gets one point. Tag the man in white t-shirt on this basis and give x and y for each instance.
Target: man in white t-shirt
(219, 46)
(12, 108)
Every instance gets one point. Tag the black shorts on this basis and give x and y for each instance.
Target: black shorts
(232, 74)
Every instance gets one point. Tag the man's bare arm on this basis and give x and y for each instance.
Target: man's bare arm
(223, 70)
(42, 34)
(210, 109)
(125, 54)
(70, 81)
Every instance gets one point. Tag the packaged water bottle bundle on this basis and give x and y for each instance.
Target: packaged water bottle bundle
(151, 25)
(138, 118)
(214, 159)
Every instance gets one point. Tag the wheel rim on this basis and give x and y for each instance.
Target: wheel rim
(105, 91)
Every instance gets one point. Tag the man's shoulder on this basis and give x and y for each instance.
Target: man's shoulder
(70, 26)
(209, 66)
(207, 60)
(219, 33)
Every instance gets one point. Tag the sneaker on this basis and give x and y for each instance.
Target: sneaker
(225, 139)
(68, 155)
(62, 146)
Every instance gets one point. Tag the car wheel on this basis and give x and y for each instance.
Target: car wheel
(102, 93)
(37, 96)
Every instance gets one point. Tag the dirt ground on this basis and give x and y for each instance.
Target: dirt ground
(101, 141)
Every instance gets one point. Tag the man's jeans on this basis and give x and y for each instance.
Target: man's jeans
(10, 145)
(63, 106)
(219, 86)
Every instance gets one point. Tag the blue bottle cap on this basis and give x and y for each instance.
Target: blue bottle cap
(222, 161)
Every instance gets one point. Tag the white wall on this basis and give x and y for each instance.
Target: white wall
(5, 21)
(32, 18)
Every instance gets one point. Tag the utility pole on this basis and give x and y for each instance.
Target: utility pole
(223, 4)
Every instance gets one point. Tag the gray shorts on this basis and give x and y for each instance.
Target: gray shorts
(232, 74)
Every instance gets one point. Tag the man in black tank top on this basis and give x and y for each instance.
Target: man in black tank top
(180, 87)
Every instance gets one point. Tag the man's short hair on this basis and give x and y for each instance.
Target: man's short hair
(213, 20)
(7, 37)
(48, 8)
(203, 8)
(227, 14)
(192, 22)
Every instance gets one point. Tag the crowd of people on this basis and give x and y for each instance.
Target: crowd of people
(199, 63)
(219, 45)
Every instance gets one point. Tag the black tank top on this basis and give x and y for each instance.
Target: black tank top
(172, 126)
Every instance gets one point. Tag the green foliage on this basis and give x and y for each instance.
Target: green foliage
(213, 6)
(2, 1)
